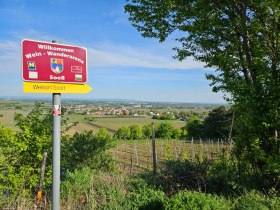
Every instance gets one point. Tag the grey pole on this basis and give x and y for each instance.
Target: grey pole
(56, 151)
(56, 102)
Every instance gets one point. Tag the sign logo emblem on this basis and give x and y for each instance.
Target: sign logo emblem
(31, 65)
(57, 65)
(78, 77)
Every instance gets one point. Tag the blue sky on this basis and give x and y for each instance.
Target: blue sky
(121, 63)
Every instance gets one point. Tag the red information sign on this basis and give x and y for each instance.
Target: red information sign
(51, 62)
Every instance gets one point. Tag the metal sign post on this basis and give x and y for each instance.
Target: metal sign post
(54, 68)
(56, 102)
(56, 113)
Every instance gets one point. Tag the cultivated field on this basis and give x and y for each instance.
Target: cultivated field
(112, 124)
(136, 155)
(85, 122)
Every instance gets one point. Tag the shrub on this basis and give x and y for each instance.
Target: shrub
(90, 189)
(122, 133)
(196, 201)
(256, 201)
(76, 188)
(147, 131)
(144, 197)
(164, 130)
(135, 132)
(23, 152)
(87, 149)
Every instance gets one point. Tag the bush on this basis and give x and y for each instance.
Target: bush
(87, 149)
(76, 188)
(22, 152)
(256, 201)
(164, 130)
(89, 189)
(122, 133)
(196, 201)
(144, 197)
(223, 176)
(178, 175)
(147, 131)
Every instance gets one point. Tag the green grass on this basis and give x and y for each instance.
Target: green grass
(87, 189)
(112, 124)
(8, 110)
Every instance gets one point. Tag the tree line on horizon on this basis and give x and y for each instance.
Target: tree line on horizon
(217, 125)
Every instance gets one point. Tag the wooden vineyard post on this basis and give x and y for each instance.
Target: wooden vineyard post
(40, 186)
(154, 149)
(136, 153)
(131, 164)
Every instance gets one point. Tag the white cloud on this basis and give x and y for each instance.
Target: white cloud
(125, 56)
(105, 55)
(9, 56)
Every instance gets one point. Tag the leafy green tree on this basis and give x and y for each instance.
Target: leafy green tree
(184, 114)
(122, 133)
(103, 134)
(135, 132)
(184, 133)
(240, 40)
(218, 123)
(177, 133)
(87, 149)
(7, 138)
(147, 131)
(164, 130)
(23, 151)
(18, 107)
(195, 127)
(164, 116)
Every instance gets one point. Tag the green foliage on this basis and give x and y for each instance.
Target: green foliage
(184, 114)
(77, 184)
(90, 119)
(168, 152)
(147, 131)
(177, 133)
(7, 136)
(23, 151)
(255, 201)
(90, 189)
(195, 127)
(164, 116)
(103, 134)
(135, 132)
(123, 133)
(240, 41)
(224, 176)
(18, 107)
(87, 149)
(184, 133)
(164, 130)
(144, 197)
(218, 123)
(196, 201)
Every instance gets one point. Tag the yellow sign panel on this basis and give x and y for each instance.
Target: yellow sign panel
(43, 87)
